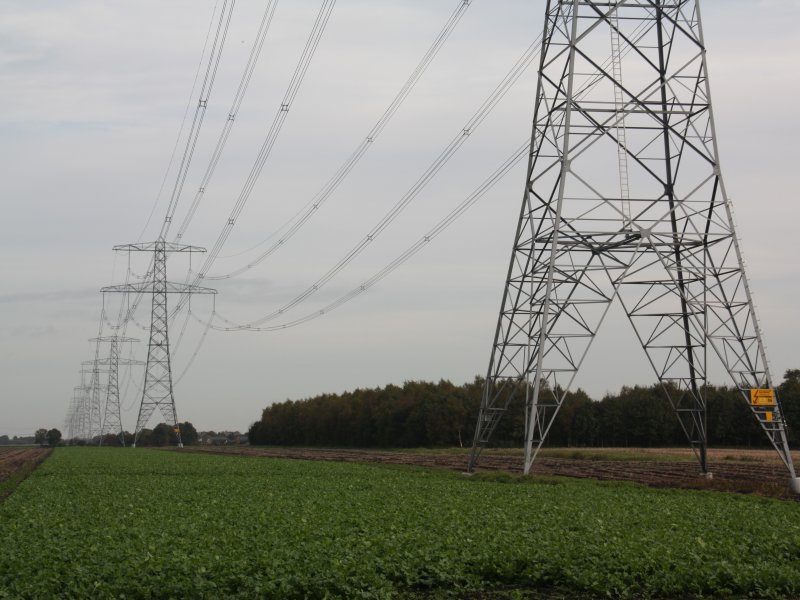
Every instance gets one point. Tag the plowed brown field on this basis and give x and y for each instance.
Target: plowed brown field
(16, 463)
(742, 471)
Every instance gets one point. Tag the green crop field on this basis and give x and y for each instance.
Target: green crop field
(122, 523)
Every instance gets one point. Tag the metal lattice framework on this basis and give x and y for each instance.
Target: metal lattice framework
(78, 417)
(93, 398)
(157, 392)
(112, 411)
(625, 199)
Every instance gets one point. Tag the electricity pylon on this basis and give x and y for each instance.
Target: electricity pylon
(624, 199)
(112, 411)
(77, 418)
(157, 392)
(94, 402)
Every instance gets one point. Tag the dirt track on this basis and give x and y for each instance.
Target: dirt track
(762, 473)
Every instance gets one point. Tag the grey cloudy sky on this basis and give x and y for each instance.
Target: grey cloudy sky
(92, 95)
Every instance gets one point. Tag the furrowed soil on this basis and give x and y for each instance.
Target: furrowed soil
(741, 471)
(16, 464)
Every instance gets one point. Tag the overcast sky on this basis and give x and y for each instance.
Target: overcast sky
(92, 97)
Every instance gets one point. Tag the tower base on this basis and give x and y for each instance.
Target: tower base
(794, 484)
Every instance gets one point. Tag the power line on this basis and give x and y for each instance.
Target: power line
(421, 243)
(637, 35)
(311, 208)
(183, 124)
(199, 115)
(272, 135)
(244, 82)
(344, 170)
(205, 93)
(441, 160)
(291, 93)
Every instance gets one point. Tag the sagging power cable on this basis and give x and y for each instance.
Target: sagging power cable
(313, 205)
(183, 124)
(199, 115)
(272, 135)
(255, 325)
(518, 154)
(441, 160)
(205, 93)
(244, 82)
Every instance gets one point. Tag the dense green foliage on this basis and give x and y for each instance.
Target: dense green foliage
(161, 435)
(17, 440)
(40, 437)
(53, 437)
(443, 414)
(417, 414)
(114, 523)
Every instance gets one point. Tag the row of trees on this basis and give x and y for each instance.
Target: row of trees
(164, 435)
(423, 414)
(17, 440)
(161, 435)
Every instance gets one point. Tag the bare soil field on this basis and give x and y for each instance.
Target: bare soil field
(16, 464)
(742, 471)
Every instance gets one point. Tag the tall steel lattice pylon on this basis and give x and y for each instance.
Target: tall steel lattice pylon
(625, 199)
(157, 392)
(112, 411)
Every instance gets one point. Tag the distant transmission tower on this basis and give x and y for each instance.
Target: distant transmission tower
(77, 416)
(624, 199)
(157, 392)
(112, 412)
(94, 397)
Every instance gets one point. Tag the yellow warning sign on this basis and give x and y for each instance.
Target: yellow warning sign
(762, 397)
(768, 416)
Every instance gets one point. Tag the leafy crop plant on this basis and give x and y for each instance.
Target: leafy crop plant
(123, 523)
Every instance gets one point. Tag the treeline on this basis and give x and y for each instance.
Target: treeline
(424, 414)
(161, 435)
(17, 440)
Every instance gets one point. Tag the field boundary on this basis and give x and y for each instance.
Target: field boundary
(758, 477)
(12, 478)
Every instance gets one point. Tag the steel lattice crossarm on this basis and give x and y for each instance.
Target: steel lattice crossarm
(624, 201)
(119, 361)
(146, 287)
(91, 367)
(153, 246)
